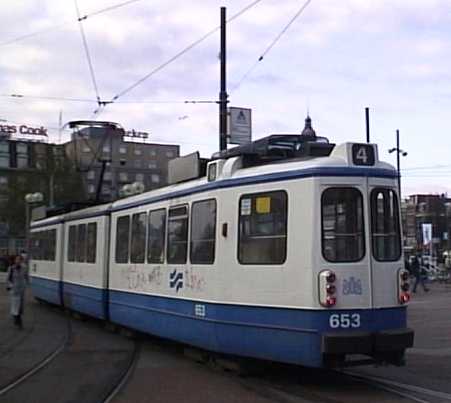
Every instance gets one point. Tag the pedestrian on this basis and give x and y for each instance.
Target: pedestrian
(417, 272)
(17, 282)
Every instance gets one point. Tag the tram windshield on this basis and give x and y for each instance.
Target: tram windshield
(342, 225)
(385, 231)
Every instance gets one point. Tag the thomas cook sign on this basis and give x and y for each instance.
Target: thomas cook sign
(9, 130)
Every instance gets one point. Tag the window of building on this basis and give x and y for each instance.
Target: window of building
(105, 190)
(3, 182)
(106, 148)
(177, 235)
(4, 161)
(138, 244)
(140, 177)
(153, 153)
(122, 150)
(170, 154)
(385, 232)
(81, 243)
(22, 156)
(138, 151)
(91, 175)
(263, 228)
(4, 147)
(91, 243)
(203, 232)
(122, 239)
(342, 225)
(86, 149)
(107, 176)
(72, 243)
(91, 189)
(157, 235)
(155, 178)
(137, 163)
(123, 177)
(152, 164)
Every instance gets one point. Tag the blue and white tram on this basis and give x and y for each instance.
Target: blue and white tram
(296, 260)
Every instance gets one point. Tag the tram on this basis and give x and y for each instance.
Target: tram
(286, 249)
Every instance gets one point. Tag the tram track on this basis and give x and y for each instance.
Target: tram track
(413, 392)
(26, 375)
(119, 385)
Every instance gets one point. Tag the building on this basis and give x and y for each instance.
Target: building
(422, 209)
(71, 172)
(109, 157)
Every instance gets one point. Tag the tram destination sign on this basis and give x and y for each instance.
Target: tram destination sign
(6, 131)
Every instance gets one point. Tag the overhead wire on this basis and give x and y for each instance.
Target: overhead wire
(66, 22)
(271, 45)
(173, 58)
(88, 55)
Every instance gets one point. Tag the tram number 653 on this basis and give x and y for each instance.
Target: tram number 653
(344, 320)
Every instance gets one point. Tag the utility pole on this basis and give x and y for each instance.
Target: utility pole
(367, 119)
(223, 92)
(399, 152)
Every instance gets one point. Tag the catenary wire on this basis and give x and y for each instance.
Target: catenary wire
(64, 23)
(271, 45)
(86, 100)
(173, 58)
(88, 56)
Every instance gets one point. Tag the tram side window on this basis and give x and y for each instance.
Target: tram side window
(203, 232)
(122, 239)
(263, 228)
(157, 235)
(81, 243)
(51, 245)
(37, 246)
(138, 244)
(91, 243)
(342, 225)
(177, 249)
(385, 232)
(72, 243)
(43, 245)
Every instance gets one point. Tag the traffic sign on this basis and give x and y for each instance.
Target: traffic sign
(240, 125)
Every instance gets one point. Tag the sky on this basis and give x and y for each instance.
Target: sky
(336, 58)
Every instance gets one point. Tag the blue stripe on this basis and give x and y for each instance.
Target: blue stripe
(280, 334)
(45, 289)
(244, 181)
(266, 178)
(88, 300)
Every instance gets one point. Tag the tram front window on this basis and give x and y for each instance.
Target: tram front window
(385, 231)
(342, 225)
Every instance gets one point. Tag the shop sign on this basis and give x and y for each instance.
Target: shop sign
(137, 135)
(9, 130)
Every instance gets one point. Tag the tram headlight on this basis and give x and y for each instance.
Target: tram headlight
(327, 289)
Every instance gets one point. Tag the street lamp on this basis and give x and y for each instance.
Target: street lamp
(30, 199)
(398, 163)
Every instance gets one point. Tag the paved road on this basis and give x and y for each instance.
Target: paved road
(93, 360)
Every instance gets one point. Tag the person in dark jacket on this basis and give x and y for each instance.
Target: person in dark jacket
(416, 271)
(17, 281)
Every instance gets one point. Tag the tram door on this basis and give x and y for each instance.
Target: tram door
(385, 248)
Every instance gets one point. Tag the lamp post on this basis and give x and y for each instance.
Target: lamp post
(398, 162)
(30, 198)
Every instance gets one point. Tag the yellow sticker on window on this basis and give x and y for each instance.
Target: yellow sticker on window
(263, 205)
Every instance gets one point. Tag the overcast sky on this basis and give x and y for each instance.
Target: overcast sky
(336, 58)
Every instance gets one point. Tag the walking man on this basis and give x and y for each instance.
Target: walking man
(416, 271)
(17, 281)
